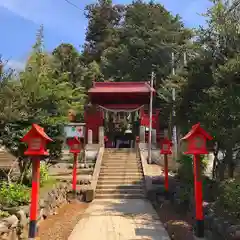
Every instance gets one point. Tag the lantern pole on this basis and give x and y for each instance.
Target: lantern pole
(173, 111)
(150, 122)
(166, 176)
(34, 198)
(198, 197)
(74, 174)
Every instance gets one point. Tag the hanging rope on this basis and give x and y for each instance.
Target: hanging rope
(120, 110)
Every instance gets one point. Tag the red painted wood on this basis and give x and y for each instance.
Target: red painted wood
(93, 121)
(166, 172)
(35, 189)
(74, 174)
(198, 188)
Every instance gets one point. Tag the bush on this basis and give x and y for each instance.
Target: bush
(44, 175)
(185, 175)
(3, 214)
(229, 198)
(13, 195)
(185, 170)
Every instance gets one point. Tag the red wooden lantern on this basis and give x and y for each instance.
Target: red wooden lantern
(36, 139)
(196, 140)
(74, 145)
(166, 145)
(196, 145)
(105, 139)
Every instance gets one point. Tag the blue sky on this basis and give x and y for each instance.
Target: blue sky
(20, 20)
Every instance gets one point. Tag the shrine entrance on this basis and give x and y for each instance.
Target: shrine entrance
(121, 125)
(118, 107)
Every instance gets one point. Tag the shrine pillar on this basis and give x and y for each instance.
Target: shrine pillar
(90, 136)
(101, 136)
(142, 134)
(154, 136)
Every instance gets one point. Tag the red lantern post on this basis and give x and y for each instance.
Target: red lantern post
(75, 148)
(36, 139)
(166, 150)
(105, 141)
(196, 145)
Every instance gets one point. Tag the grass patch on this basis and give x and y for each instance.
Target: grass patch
(4, 214)
(47, 186)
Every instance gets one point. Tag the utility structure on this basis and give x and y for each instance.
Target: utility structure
(150, 121)
(173, 111)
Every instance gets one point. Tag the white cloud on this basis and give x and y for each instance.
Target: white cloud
(16, 65)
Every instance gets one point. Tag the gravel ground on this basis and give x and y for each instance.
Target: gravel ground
(59, 226)
(179, 227)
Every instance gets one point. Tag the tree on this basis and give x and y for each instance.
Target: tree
(68, 61)
(147, 37)
(38, 96)
(209, 89)
(104, 18)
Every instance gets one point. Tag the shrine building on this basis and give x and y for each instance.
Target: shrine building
(119, 109)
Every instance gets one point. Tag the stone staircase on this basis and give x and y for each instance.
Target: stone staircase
(121, 175)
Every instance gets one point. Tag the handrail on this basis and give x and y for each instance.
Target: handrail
(97, 169)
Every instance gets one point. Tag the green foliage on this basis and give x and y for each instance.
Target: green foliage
(13, 195)
(4, 214)
(229, 198)
(185, 170)
(44, 175)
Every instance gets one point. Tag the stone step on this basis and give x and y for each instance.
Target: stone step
(117, 171)
(107, 181)
(120, 196)
(112, 163)
(114, 155)
(120, 186)
(119, 191)
(112, 174)
(121, 167)
(121, 177)
(119, 157)
(119, 160)
(125, 156)
(113, 168)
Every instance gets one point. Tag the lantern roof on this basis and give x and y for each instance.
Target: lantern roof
(36, 129)
(167, 141)
(76, 140)
(73, 140)
(196, 129)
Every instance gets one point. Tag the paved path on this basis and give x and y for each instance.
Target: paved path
(129, 219)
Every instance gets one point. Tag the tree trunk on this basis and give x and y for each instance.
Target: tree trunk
(229, 161)
(231, 168)
(215, 161)
(221, 170)
(24, 165)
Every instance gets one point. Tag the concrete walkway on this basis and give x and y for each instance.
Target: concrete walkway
(129, 219)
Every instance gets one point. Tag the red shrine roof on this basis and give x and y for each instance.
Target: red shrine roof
(120, 87)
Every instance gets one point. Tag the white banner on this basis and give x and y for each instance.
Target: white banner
(74, 131)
